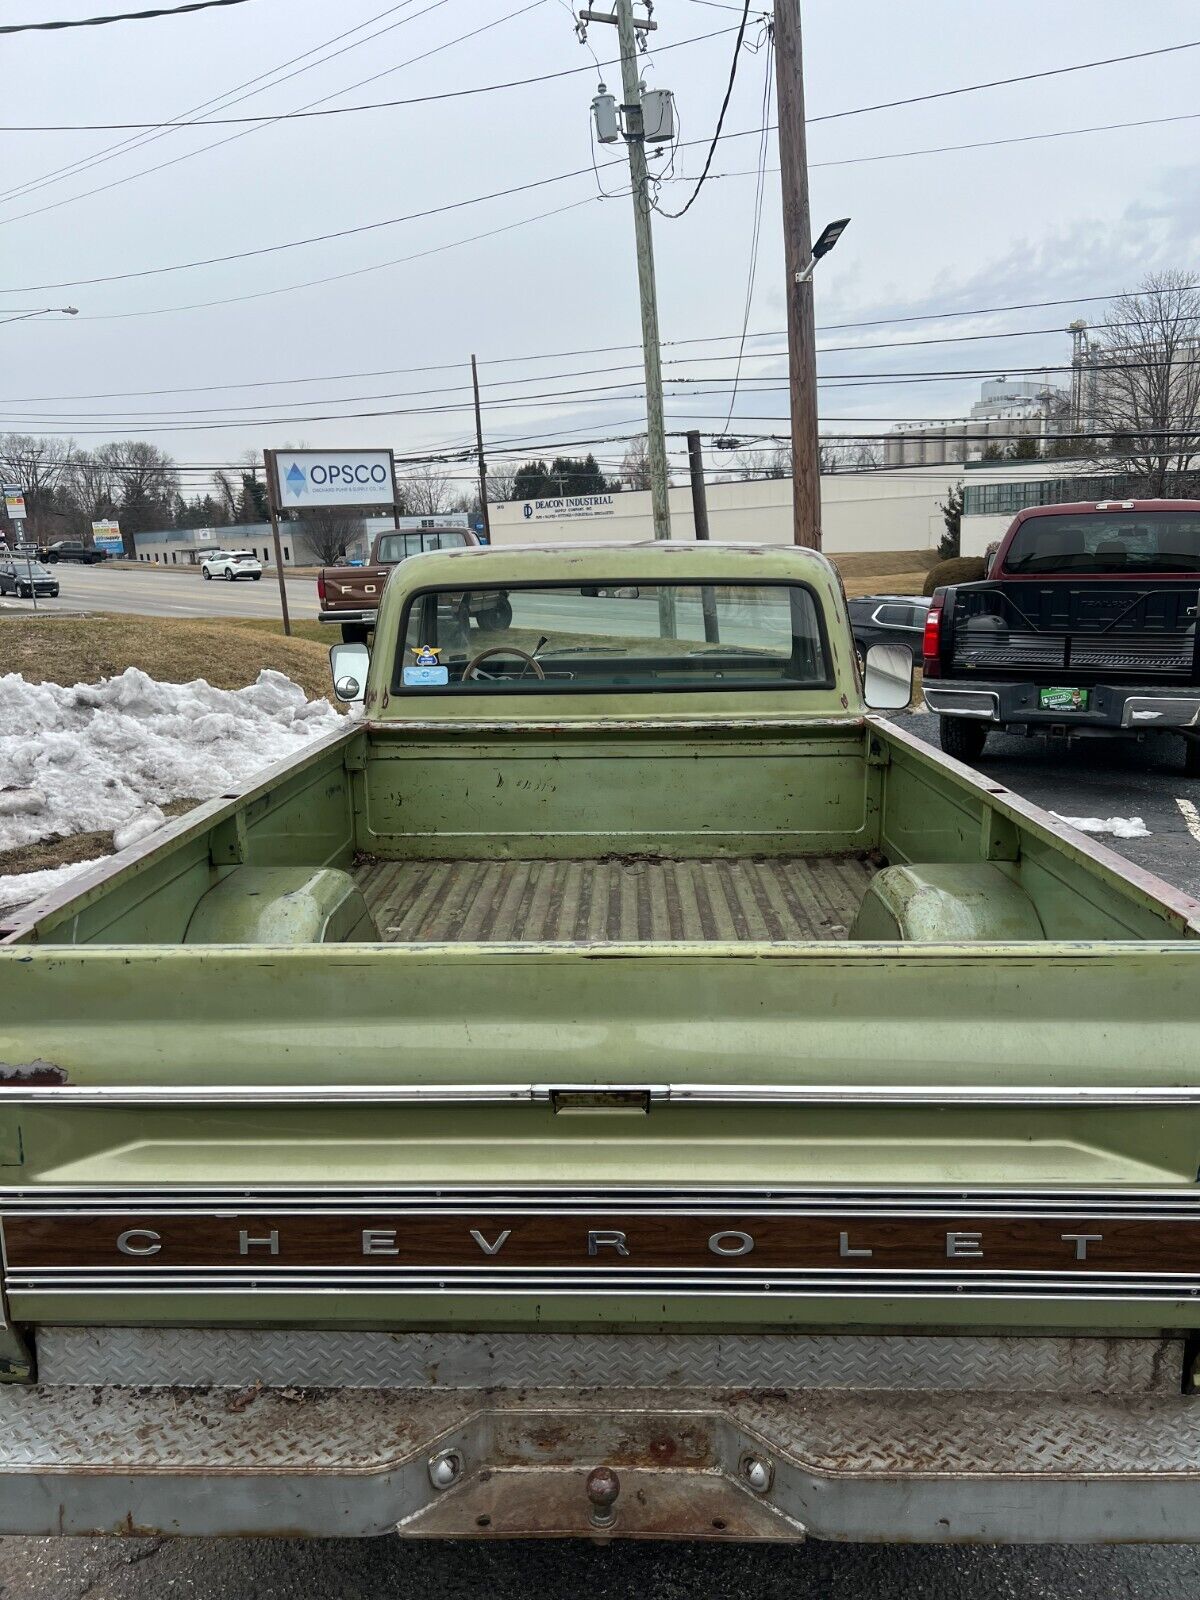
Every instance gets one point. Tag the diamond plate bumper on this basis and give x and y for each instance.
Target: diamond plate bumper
(836, 1464)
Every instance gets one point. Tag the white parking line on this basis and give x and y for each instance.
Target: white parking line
(1191, 818)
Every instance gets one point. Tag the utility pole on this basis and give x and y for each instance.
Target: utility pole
(708, 598)
(627, 33)
(483, 500)
(797, 244)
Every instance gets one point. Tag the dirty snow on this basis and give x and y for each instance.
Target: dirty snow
(23, 887)
(107, 756)
(1119, 827)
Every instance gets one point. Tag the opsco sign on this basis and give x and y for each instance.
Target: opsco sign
(305, 478)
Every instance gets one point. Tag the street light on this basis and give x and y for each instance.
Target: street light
(23, 315)
(829, 237)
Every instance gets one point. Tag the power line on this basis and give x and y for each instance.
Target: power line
(303, 113)
(759, 194)
(227, 97)
(121, 16)
(716, 138)
(293, 244)
(244, 133)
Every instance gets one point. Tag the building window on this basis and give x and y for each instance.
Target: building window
(287, 554)
(174, 558)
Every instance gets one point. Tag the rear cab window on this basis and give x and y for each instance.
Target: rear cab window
(1109, 541)
(625, 637)
(397, 547)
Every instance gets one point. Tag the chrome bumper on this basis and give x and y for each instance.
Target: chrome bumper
(853, 1457)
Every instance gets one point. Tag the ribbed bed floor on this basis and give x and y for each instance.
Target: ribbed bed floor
(618, 898)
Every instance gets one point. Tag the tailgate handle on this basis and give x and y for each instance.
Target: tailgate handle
(601, 1101)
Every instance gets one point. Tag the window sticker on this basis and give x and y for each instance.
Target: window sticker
(427, 672)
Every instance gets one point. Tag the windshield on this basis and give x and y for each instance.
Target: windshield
(595, 637)
(1107, 541)
(394, 547)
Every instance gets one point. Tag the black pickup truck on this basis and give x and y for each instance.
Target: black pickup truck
(1084, 627)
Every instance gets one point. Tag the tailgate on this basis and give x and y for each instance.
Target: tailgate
(1092, 629)
(354, 588)
(681, 1136)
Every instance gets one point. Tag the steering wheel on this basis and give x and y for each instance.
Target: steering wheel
(502, 650)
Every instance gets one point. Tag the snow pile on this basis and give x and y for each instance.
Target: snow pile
(107, 755)
(23, 887)
(1119, 827)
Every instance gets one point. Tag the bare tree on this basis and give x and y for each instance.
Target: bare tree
(1145, 380)
(89, 486)
(635, 465)
(425, 490)
(146, 485)
(329, 532)
(39, 466)
(227, 494)
(501, 483)
(849, 455)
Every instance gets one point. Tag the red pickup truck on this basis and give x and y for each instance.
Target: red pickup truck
(350, 595)
(1086, 626)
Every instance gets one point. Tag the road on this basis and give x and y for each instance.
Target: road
(1097, 780)
(169, 592)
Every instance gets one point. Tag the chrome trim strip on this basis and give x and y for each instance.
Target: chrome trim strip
(169, 1096)
(588, 1283)
(453, 1200)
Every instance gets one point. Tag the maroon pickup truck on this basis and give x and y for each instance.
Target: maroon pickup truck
(350, 595)
(1086, 626)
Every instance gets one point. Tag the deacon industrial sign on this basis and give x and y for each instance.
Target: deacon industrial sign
(308, 478)
(569, 507)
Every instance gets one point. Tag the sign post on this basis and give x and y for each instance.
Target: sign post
(14, 505)
(273, 508)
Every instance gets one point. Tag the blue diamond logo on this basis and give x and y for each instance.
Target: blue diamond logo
(296, 479)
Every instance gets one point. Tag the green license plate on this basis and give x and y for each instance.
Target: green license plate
(1063, 699)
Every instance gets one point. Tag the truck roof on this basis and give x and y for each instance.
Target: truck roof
(655, 560)
(1076, 507)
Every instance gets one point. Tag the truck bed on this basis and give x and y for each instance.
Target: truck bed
(620, 898)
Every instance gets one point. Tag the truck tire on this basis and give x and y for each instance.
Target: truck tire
(962, 737)
(1191, 758)
(499, 617)
(206, 574)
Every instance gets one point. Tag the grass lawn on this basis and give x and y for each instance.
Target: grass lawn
(229, 654)
(887, 572)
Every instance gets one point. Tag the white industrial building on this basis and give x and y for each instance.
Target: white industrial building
(1008, 409)
(860, 511)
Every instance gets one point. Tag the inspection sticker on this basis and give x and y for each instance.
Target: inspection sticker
(427, 672)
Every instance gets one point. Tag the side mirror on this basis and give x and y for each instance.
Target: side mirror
(349, 663)
(889, 677)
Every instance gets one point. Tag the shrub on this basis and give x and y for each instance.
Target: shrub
(962, 569)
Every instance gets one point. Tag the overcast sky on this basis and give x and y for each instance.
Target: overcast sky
(938, 232)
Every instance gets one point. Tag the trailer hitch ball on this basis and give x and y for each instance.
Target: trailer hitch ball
(445, 1469)
(603, 1487)
(758, 1473)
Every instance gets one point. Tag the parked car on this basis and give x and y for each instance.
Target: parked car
(888, 619)
(1086, 627)
(26, 579)
(72, 550)
(231, 564)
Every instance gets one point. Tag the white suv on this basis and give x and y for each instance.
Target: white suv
(231, 564)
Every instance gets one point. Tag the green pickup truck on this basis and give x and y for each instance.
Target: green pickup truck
(617, 1085)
